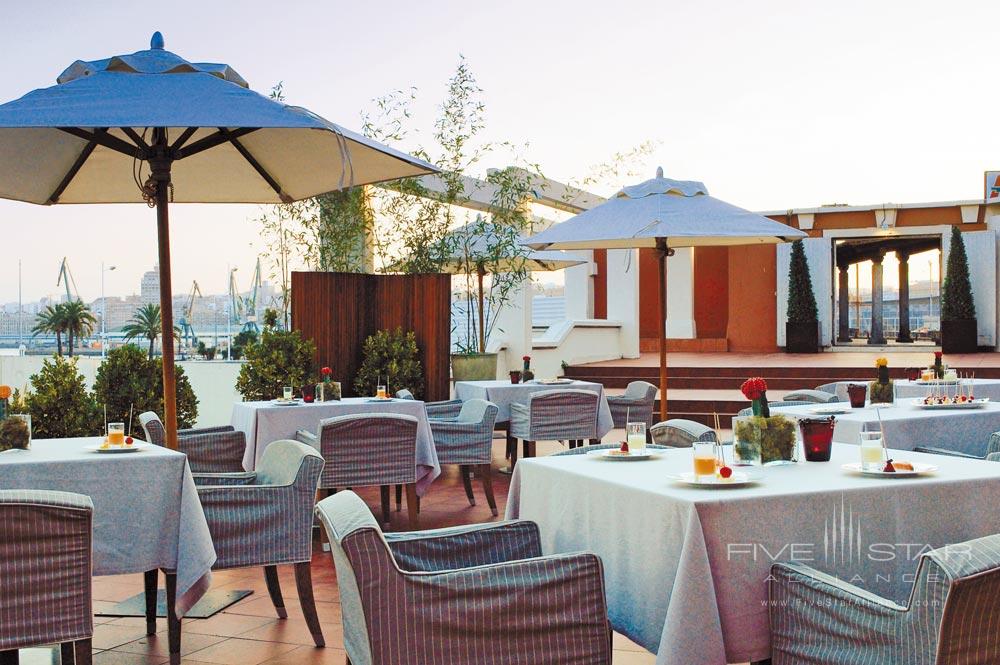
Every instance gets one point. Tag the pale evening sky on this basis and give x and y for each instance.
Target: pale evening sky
(773, 104)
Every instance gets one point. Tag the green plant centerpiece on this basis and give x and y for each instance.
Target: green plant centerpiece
(390, 357)
(881, 389)
(802, 324)
(59, 403)
(526, 373)
(14, 433)
(279, 358)
(761, 436)
(129, 382)
(958, 309)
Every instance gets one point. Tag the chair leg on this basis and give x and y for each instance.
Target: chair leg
(9, 657)
(149, 579)
(399, 498)
(324, 541)
(467, 481)
(66, 656)
(384, 492)
(303, 582)
(274, 590)
(83, 651)
(173, 621)
(412, 505)
(513, 455)
(485, 471)
(594, 442)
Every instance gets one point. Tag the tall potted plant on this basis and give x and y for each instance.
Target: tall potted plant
(958, 310)
(802, 325)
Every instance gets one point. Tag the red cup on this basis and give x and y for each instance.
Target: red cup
(857, 392)
(817, 438)
(515, 376)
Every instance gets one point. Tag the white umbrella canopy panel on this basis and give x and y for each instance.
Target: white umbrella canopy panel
(664, 214)
(151, 127)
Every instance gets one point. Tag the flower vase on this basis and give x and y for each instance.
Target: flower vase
(764, 440)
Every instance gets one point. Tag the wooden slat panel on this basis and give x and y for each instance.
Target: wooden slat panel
(339, 310)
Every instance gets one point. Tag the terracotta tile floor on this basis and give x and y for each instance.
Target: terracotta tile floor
(248, 633)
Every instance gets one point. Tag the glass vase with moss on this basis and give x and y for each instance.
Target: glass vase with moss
(881, 391)
(760, 440)
(15, 432)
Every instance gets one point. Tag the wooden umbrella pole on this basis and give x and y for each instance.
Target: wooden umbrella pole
(480, 273)
(661, 246)
(160, 166)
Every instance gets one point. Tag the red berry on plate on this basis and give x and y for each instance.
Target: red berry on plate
(129, 440)
(624, 447)
(725, 472)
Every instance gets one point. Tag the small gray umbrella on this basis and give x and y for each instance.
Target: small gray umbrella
(663, 214)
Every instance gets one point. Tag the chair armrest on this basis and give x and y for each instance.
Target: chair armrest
(307, 438)
(465, 546)
(554, 605)
(944, 451)
(205, 430)
(221, 479)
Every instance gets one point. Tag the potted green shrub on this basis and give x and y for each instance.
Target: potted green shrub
(279, 358)
(59, 403)
(958, 310)
(390, 358)
(802, 324)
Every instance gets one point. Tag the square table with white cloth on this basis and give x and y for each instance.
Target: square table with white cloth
(907, 426)
(505, 393)
(980, 387)
(147, 514)
(267, 422)
(686, 568)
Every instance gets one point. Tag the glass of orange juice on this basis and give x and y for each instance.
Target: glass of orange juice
(116, 434)
(704, 459)
(380, 392)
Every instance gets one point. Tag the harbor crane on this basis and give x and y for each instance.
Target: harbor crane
(187, 319)
(66, 278)
(243, 309)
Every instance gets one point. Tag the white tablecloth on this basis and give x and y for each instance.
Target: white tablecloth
(264, 423)
(504, 393)
(907, 426)
(686, 568)
(146, 509)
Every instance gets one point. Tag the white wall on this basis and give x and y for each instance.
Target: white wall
(214, 383)
(579, 288)
(512, 333)
(818, 256)
(680, 294)
(623, 298)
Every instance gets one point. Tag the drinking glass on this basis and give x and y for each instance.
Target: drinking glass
(287, 392)
(116, 434)
(704, 459)
(857, 392)
(636, 437)
(817, 438)
(872, 453)
(381, 392)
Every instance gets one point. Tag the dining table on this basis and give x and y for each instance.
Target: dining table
(904, 388)
(686, 566)
(504, 393)
(147, 514)
(907, 424)
(264, 422)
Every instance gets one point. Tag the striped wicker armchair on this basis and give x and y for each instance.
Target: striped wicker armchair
(484, 592)
(269, 523)
(681, 433)
(369, 450)
(636, 404)
(815, 396)
(952, 617)
(45, 574)
(467, 440)
(209, 449)
(443, 409)
(553, 415)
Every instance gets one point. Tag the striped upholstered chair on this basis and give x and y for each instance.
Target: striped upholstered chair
(952, 617)
(553, 415)
(369, 450)
(484, 592)
(681, 433)
(467, 440)
(636, 404)
(209, 449)
(815, 396)
(777, 404)
(45, 574)
(443, 409)
(269, 523)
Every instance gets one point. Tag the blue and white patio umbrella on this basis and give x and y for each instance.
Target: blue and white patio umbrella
(151, 127)
(663, 214)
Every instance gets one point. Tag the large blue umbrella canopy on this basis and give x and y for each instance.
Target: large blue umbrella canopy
(153, 127)
(664, 214)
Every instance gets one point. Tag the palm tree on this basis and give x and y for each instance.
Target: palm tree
(51, 321)
(79, 321)
(144, 323)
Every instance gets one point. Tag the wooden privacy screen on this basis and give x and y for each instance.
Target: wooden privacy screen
(339, 310)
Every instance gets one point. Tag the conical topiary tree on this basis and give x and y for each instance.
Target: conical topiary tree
(956, 294)
(801, 300)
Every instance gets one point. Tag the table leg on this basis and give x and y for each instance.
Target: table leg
(149, 579)
(173, 621)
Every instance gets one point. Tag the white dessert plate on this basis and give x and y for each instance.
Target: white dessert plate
(379, 399)
(974, 404)
(738, 479)
(919, 469)
(116, 450)
(616, 454)
(830, 410)
(936, 382)
(555, 382)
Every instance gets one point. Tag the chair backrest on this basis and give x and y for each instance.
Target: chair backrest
(151, 425)
(563, 414)
(681, 433)
(367, 449)
(828, 388)
(814, 396)
(45, 577)
(970, 621)
(404, 394)
(479, 411)
(640, 390)
(994, 444)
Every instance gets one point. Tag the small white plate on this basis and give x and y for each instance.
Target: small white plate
(281, 402)
(936, 382)
(117, 450)
(379, 399)
(830, 410)
(738, 479)
(881, 405)
(919, 469)
(975, 404)
(554, 382)
(615, 454)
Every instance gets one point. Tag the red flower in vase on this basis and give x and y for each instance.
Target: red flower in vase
(326, 371)
(937, 355)
(754, 388)
(526, 358)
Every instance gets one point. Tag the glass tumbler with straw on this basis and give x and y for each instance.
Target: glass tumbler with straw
(872, 449)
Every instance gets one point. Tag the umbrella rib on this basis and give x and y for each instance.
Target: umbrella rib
(73, 170)
(182, 139)
(285, 198)
(101, 137)
(213, 140)
(138, 140)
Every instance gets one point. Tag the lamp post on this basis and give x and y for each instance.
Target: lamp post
(104, 311)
